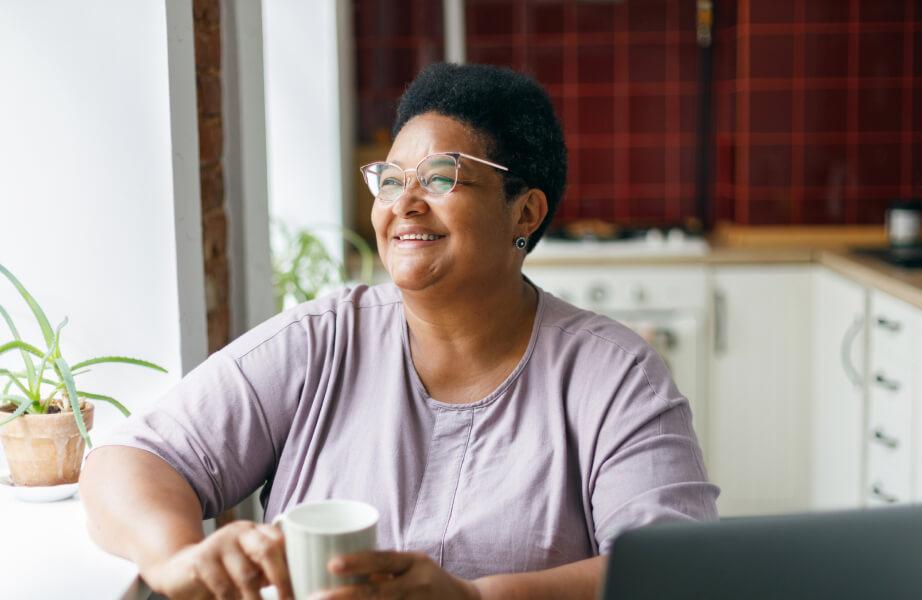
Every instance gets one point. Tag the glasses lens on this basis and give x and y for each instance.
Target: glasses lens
(385, 181)
(437, 174)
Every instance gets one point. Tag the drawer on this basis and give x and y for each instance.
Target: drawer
(889, 476)
(891, 331)
(890, 408)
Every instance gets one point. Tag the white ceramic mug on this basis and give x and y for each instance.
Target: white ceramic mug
(317, 531)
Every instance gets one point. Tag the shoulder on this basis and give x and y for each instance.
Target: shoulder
(320, 318)
(584, 346)
(568, 325)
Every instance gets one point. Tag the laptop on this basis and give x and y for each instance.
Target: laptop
(866, 554)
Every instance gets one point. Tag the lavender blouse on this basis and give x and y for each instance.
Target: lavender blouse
(587, 437)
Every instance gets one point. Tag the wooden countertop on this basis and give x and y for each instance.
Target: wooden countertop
(904, 284)
(801, 246)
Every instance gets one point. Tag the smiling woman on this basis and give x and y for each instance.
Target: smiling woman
(503, 435)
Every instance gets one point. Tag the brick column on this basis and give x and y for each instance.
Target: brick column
(207, 24)
(207, 16)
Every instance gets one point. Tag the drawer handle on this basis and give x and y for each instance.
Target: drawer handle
(886, 440)
(886, 383)
(878, 492)
(889, 324)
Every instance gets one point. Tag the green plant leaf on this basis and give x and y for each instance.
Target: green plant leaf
(64, 370)
(22, 346)
(24, 404)
(118, 359)
(43, 323)
(19, 384)
(109, 399)
(52, 350)
(30, 367)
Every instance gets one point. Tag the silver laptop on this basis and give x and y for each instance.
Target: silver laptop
(867, 554)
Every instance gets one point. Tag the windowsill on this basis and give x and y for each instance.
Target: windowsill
(50, 551)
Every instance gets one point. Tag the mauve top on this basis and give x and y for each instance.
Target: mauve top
(588, 436)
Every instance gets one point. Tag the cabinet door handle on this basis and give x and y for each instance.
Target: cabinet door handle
(877, 490)
(720, 322)
(883, 381)
(889, 324)
(884, 439)
(848, 341)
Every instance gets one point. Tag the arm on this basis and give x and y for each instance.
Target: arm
(140, 508)
(581, 579)
(415, 575)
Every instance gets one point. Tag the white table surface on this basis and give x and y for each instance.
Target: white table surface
(46, 552)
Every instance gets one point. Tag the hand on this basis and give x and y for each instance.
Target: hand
(234, 562)
(396, 575)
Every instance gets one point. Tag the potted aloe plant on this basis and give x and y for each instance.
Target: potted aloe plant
(44, 418)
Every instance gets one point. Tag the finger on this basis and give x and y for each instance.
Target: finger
(265, 546)
(246, 574)
(212, 572)
(366, 563)
(347, 592)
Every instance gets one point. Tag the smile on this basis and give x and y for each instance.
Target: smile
(426, 237)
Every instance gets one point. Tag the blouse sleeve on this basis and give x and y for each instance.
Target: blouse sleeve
(646, 465)
(224, 425)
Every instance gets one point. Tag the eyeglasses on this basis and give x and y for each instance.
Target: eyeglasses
(437, 174)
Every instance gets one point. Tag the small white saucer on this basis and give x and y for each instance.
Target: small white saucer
(47, 493)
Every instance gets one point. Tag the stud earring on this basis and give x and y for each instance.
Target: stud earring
(520, 242)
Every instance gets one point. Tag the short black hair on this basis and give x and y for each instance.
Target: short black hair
(513, 113)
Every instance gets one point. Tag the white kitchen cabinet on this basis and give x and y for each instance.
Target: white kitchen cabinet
(893, 402)
(759, 409)
(837, 430)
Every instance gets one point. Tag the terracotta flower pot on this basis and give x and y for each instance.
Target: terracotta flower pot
(44, 449)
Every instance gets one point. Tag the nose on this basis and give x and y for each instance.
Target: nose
(411, 201)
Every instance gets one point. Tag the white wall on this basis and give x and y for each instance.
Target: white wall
(99, 200)
(309, 100)
(245, 175)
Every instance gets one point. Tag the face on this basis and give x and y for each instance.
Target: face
(474, 224)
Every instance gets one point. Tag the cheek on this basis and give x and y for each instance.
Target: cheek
(379, 220)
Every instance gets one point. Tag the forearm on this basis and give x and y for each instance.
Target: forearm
(577, 580)
(138, 507)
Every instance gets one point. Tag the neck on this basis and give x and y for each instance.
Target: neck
(482, 324)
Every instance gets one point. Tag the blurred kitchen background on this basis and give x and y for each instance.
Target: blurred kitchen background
(744, 191)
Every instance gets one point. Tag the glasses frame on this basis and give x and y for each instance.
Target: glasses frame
(456, 156)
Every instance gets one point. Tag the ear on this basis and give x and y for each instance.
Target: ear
(531, 209)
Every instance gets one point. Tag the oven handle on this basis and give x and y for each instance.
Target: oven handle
(720, 322)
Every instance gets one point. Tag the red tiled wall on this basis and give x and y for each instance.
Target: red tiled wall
(818, 106)
(394, 39)
(623, 78)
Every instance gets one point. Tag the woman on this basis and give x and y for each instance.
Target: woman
(504, 435)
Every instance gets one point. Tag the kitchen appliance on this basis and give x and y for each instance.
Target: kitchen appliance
(904, 230)
(903, 220)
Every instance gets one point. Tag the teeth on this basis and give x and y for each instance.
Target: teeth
(420, 236)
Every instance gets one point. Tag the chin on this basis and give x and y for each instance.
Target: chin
(412, 278)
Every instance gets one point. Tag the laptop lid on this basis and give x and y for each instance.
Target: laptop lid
(864, 554)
